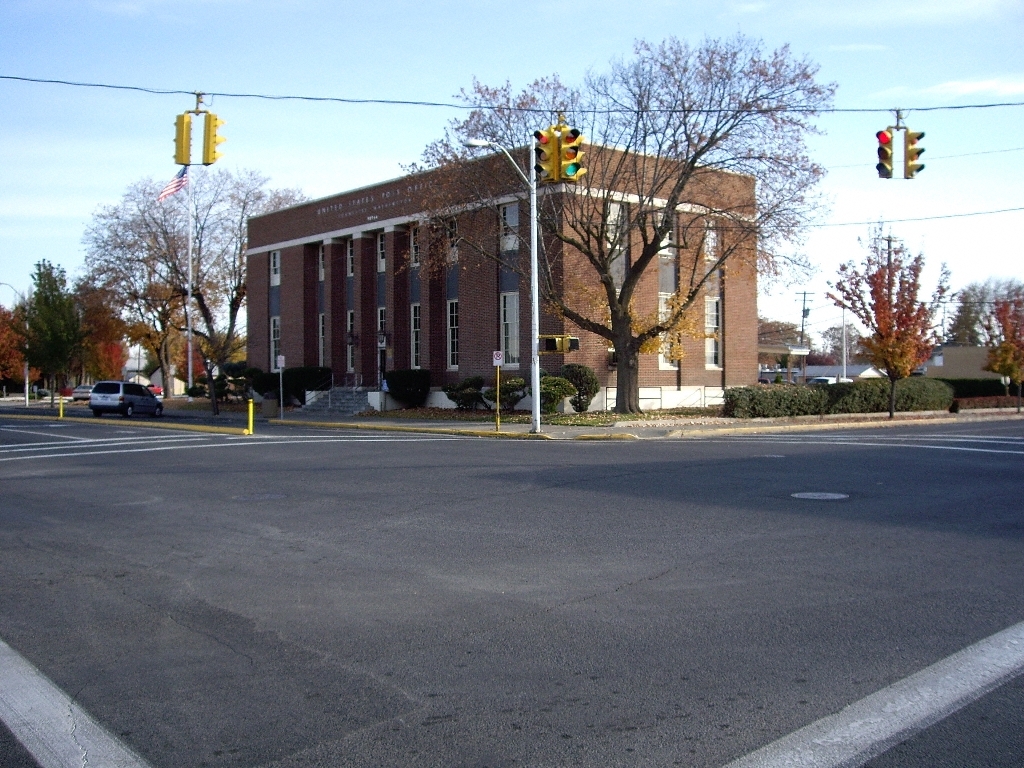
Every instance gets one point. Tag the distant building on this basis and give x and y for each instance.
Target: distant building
(339, 282)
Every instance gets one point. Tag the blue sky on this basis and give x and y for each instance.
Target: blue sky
(67, 151)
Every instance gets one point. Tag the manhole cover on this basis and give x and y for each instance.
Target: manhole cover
(820, 496)
(259, 497)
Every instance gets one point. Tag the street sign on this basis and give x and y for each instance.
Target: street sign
(280, 361)
(499, 357)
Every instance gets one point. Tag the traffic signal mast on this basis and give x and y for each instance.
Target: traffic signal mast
(559, 153)
(884, 166)
(183, 135)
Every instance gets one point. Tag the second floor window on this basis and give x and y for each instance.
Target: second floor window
(275, 267)
(382, 252)
(320, 263)
(509, 227)
(414, 245)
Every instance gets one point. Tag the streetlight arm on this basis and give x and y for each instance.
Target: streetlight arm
(477, 143)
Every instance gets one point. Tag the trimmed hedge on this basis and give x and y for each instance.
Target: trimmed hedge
(296, 381)
(870, 396)
(512, 391)
(971, 403)
(554, 389)
(975, 387)
(467, 394)
(410, 386)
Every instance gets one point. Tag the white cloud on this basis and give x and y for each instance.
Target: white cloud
(997, 86)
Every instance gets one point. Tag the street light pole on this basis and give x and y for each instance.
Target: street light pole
(531, 183)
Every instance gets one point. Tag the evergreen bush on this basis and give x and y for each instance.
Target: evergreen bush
(586, 382)
(512, 391)
(868, 396)
(410, 386)
(467, 394)
(554, 389)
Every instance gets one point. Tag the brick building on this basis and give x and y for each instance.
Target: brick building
(343, 282)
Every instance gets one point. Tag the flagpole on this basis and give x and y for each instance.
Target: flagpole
(188, 303)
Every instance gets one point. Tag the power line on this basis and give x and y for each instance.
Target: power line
(451, 105)
(938, 157)
(918, 218)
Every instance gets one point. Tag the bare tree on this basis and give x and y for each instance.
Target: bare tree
(139, 248)
(696, 156)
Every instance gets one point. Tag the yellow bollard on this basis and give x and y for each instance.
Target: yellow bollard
(60, 406)
(249, 431)
(497, 402)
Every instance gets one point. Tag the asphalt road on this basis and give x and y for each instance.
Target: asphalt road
(313, 598)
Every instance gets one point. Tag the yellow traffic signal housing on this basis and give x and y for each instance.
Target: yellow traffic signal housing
(211, 124)
(571, 155)
(557, 344)
(884, 166)
(183, 139)
(911, 153)
(546, 150)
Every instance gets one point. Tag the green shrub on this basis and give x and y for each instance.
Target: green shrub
(512, 391)
(975, 387)
(467, 394)
(410, 386)
(774, 401)
(554, 389)
(586, 382)
(867, 396)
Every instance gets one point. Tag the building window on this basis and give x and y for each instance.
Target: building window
(320, 263)
(668, 286)
(321, 336)
(509, 227)
(275, 267)
(712, 301)
(275, 341)
(616, 241)
(414, 245)
(451, 229)
(350, 257)
(350, 350)
(382, 253)
(414, 326)
(510, 328)
(382, 319)
(453, 335)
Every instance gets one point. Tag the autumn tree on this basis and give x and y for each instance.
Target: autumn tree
(103, 352)
(882, 294)
(12, 362)
(139, 249)
(696, 156)
(1007, 356)
(974, 323)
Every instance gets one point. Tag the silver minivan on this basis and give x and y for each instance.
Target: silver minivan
(123, 397)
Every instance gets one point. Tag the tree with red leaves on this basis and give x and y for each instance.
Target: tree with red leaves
(1007, 357)
(12, 362)
(883, 294)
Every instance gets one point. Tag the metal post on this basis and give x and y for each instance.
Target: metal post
(188, 304)
(534, 296)
(280, 389)
(497, 399)
(844, 342)
(251, 415)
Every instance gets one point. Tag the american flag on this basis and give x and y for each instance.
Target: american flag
(179, 182)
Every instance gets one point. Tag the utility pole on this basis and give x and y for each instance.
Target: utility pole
(844, 342)
(803, 321)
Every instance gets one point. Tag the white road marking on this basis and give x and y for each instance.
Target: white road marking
(50, 725)
(867, 444)
(84, 449)
(98, 443)
(44, 434)
(869, 727)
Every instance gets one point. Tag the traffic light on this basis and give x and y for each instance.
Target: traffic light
(546, 149)
(884, 166)
(558, 344)
(571, 155)
(183, 139)
(211, 123)
(911, 153)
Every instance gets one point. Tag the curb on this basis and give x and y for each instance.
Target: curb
(420, 430)
(141, 425)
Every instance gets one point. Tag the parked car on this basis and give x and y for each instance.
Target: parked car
(81, 392)
(156, 390)
(123, 397)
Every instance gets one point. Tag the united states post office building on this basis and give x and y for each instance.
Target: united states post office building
(342, 282)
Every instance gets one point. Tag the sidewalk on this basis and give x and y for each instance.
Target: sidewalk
(642, 429)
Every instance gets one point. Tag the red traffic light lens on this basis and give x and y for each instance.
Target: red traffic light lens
(542, 138)
(884, 137)
(571, 135)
